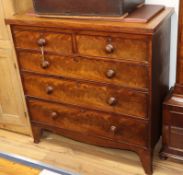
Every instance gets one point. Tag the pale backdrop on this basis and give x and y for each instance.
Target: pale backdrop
(171, 3)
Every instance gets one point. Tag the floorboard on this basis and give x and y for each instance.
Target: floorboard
(11, 168)
(82, 158)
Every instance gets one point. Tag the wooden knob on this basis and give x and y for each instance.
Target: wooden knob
(41, 42)
(109, 48)
(54, 115)
(112, 101)
(49, 89)
(110, 73)
(113, 129)
(45, 64)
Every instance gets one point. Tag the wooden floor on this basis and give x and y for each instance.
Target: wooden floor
(82, 158)
(11, 168)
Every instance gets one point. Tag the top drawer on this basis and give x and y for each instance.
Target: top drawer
(113, 47)
(51, 42)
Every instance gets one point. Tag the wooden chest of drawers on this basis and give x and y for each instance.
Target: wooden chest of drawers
(97, 82)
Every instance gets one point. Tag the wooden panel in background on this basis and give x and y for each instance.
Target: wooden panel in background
(11, 104)
(3, 29)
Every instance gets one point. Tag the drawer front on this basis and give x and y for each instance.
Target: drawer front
(118, 73)
(51, 42)
(176, 138)
(118, 128)
(176, 119)
(112, 99)
(116, 47)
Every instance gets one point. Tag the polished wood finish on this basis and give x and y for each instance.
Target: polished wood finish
(102, 87)
(140, 15)
(113, 47)
(90, 95)
(172, 127)
(93, 69)
(88, 25)
(101, 125)
(53, 42)
(173, 107)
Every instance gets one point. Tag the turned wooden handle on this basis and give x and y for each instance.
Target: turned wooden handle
(41, 42)
(112, 101)
(110, 73)
(54, 115)
(49, 89)
(109, 48)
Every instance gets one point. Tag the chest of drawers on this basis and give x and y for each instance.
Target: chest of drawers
(97, 82)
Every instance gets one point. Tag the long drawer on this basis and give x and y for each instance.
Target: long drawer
(117, 128)
(118, 73)
(107, 98)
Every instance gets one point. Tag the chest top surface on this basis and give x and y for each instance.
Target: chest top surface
(96, 25)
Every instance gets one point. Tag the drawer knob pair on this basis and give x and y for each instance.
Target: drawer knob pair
(44, 63)
(110, 73)
(54, 115)
(109, 48)
(112, 101)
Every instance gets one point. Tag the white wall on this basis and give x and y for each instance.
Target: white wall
(173, 57)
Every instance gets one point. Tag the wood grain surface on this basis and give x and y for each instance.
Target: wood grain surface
(137, 28)
(85, 68)
(75, 156)
(89, 122)
(131, 47)
(86, 95)
(11, 168)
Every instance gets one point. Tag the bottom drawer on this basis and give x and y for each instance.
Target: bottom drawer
(115, 127)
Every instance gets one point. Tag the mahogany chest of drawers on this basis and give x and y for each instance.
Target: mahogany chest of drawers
(99, 82)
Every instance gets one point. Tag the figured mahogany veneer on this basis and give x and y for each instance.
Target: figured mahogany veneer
(54, 42)
(87, 95)
(99, 125)
(98, 82)
(100, 70)
(123, 47)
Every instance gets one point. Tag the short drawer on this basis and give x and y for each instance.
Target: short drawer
(90, 95)
(113, 47)
(119, 73)
(51, 42)
(117, 128)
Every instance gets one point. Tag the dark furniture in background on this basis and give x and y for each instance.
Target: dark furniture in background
(173, 107)
(99, 82)
(85, 7)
